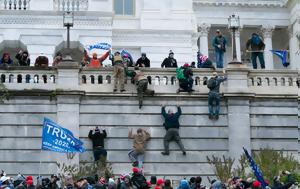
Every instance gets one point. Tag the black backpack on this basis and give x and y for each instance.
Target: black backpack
(212, 83)
(139, 181)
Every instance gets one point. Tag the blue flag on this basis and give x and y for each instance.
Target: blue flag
(58, 139)
(282, 55)
(258, 174)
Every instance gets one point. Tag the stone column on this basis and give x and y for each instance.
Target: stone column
(294, 43)
(268, 55)
(203, 34)
(238, 111)
(238, 44)
(68, 102)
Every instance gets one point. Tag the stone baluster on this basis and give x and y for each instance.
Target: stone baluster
(203, 34)
(268, 55)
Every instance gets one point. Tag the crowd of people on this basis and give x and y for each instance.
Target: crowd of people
(136, 180)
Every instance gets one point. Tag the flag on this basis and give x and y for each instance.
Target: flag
(58, 139)
(258, 174)
(282, 54)
(126, 53)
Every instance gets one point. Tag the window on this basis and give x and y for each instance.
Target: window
(124, 7)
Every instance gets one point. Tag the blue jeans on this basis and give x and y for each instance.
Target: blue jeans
(213, 103)
(134, 156)
(219, 59)
(260, 56)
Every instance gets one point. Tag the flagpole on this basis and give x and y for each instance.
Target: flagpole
(40, 163)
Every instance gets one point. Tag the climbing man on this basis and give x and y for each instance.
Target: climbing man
(172, 127)
(98, 143)
(140, 139)
(214, 95)
(142, 86)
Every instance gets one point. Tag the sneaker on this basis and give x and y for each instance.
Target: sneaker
(135, 164)
(184, 153)
(115, 90)
(216, 117)
(123, 90)
(140, 106)
(165, 153)
(210, 116)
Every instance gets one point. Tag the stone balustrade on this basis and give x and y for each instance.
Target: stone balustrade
(161, 80)
(15, 4)
(71, 5)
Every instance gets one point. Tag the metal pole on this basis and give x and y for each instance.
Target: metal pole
(234, 57)
(68, 37)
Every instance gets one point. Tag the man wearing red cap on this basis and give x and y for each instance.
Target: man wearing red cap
(138, 180)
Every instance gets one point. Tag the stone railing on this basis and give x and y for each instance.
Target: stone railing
(164, 81)
(20, 78)
(71, 5)
(274, 82)
(15, 4)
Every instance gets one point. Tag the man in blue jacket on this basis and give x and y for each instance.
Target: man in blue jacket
(172, 127)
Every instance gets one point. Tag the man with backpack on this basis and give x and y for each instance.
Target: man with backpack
(184, 75)
(257, 50)
(138, 180)
(214, 95)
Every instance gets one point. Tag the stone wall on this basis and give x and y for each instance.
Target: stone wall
(256, 112)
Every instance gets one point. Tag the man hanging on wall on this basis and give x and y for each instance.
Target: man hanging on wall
(140, 139)
(98, 143)
(172, 127)
(214, 95)
(142, 86)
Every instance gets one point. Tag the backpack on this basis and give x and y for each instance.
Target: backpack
(139, 181)
(212, 83)
(180, 73)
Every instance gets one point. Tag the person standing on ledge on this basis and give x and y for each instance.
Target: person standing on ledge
(143, 61)
(214, 95)
(98, 143)
(136, 155)
(172, 127)
(170, 62)
(219, 43)
(257, 50)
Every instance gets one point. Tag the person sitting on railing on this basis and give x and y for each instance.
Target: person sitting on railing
(142, 86)
(23, 58)
(184, 75)
(57, 59)
(214, 95)
(6, 60)
(204, 62)
(143, 61)
(257, 50)
(94, 62)
(170, 62)
(41, 61)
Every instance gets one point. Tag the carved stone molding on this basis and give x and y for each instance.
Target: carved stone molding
(267, 31)
(70, 5)
(242, 3)
(203, 29)
(56, 21)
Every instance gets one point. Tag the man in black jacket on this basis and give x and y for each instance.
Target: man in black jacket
(98, 143)
(143, 61)
(278, 185)
(170, 62)
(172, 127)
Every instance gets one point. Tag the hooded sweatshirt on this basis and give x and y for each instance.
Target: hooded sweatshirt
(139, 141)
(184, 185)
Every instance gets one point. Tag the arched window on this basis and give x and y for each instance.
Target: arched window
(124, 7)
